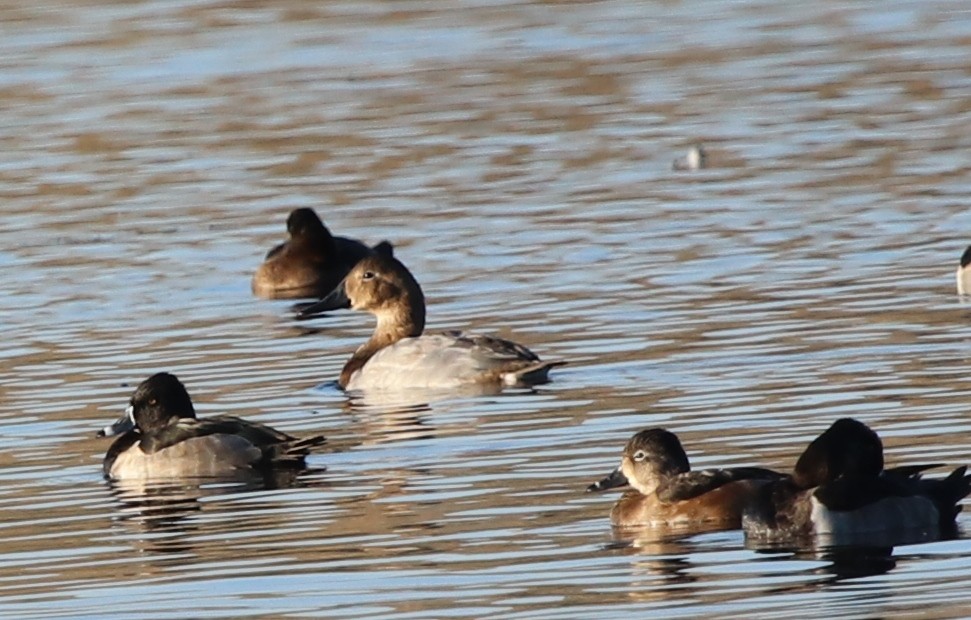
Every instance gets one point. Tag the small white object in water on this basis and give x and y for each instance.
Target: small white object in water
(695, 159)
(964, 273)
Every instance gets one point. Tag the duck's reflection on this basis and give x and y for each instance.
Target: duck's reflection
(399, 415)
(166, 515)
(391, 419)
(854, 562)
(677, 562)
(863, 555)
(418, 398)
(660, 564)
(832, 565)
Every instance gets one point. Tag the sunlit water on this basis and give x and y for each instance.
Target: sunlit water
(519, 156)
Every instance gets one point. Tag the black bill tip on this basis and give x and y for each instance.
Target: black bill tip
(612, 481)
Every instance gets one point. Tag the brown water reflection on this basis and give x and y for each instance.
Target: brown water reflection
(519, 156)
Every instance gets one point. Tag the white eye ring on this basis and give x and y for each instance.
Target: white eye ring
(640, 455)
(367, 275)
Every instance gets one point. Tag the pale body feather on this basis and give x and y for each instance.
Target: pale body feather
(809, 516)
(434, 361)
(207, 456)
(963, 277)
(888, 514)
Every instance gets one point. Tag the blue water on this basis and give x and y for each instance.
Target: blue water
(519, 157)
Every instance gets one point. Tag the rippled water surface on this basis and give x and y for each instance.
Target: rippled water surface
(519, 156)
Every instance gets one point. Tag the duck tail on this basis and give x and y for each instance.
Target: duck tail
(947, 492)
(292, 453)
(533, 374)
(911, 472)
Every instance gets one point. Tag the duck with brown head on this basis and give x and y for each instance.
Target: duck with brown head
(665, 492)
(310, 264)
(400, 355)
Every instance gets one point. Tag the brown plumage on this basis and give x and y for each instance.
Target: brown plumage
(399, 355)
(666, 492)
(310, 263)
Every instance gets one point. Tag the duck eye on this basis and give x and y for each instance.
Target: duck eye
(367, 275)
(640, 455)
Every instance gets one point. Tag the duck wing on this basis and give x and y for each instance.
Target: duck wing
(258, 435)
(447, 360)
(854, 492)
(503, 359)
(694, 483)
(276, 251)
(491, 347)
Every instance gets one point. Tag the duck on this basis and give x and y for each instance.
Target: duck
(839, 489)
(311, 263)
(695, 159)
(963, 274)
(399, 355)
(665, 491)
(159, 436)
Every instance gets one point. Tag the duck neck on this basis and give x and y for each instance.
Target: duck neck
(406, 322)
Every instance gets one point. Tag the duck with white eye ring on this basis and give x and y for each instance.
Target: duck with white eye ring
(665, 491)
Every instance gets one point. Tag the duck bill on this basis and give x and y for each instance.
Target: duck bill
(122, 425)
(335, 300)
(614, 480)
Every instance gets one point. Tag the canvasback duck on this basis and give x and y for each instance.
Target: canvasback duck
(964, 273)
(310, 264)
(840, 489)
(666, 492)
(162, 438)
(399, 356)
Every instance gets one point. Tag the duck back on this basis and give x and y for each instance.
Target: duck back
(448, 360)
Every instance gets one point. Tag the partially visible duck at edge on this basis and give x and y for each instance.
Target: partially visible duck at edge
(398, 355)
(162, 438)
(665, 492)
(311, 263)
(840, 489)
(964, 273)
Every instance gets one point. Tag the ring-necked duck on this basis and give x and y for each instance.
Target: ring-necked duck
(311, 263)
(398, 355)
(839, 487)
(162, 438)
(666, 492)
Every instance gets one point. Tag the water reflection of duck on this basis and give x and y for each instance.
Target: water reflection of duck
(311, 263)
(828, 565)
(174, 518)
(964, 273)
(398, 354)
(162, 438)
(840, 491)
(666, 492)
